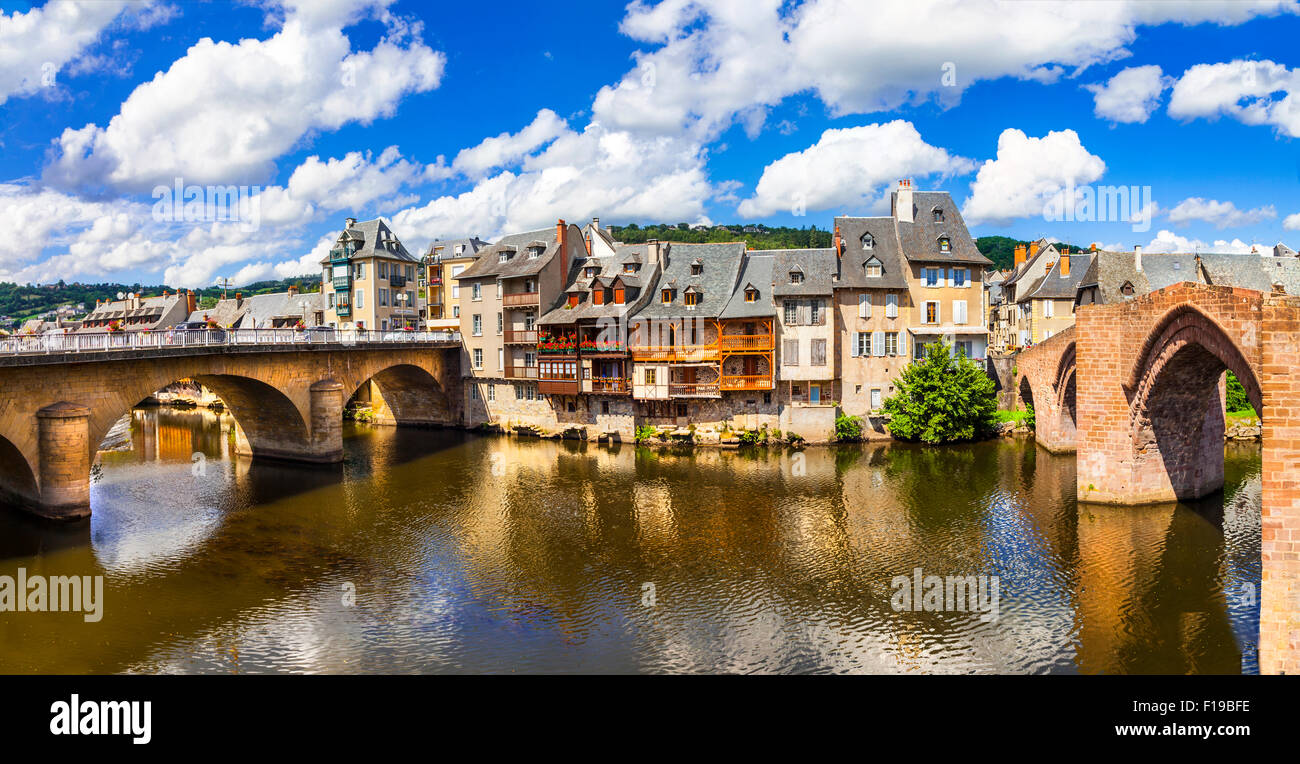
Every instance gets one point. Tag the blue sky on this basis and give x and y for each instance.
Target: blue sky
(483, 119)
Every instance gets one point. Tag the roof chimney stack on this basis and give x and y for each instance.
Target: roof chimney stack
(562, 236)
(903, 201)
(1021, 251)
(350, 222)
(1137, 259)
(1065, 266)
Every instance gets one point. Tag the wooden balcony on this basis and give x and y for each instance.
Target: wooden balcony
(747, 382)
(694, 390)
(521, 372)
(557, 386)
(521, 336)
(521, 300)
(608, 386)
(674, 353)
(746, 343)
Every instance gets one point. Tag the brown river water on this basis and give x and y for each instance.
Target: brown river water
(434, 551)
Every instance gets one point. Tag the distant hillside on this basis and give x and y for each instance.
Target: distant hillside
(758, 237)
(1002, 249)
(22, 302)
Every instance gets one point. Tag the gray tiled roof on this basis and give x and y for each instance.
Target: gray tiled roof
(611, 270)
(885, 248)
(920, 239)
(258, 311)
(817, 265)
(470, 247)
(374, 236)
(756, 272)
(721, 265)
(520, 264)
(1053, 286)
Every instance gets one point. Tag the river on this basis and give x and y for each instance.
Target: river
(434, 551)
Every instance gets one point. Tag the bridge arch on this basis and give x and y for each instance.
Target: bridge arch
(1176, 399)
(1047, 372)
(17, 479)
(405, 394)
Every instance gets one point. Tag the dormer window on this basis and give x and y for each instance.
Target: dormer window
(620, 296)
(751, 295)
(1127, 289)
(938, 214)
(796, 277)
(590, 272)
(873, 268)
(598, 296)
(573, 300)
(534, 253)
(666, 295)
(868, 241)
(692, 299)
(697, 268)
(629, 268)
(503, 257)
(945, 245)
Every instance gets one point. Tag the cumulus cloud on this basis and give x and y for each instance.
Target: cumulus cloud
(849, 167)
(505, 149)
(1168, 241)
(1220, 214)
(1252, 92)
(1292, 222)
(1131, 95)
(215, 116)
(36, 45)
(1028, 173)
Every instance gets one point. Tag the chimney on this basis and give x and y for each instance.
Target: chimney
(239, 299)
(1137, 259)
(838, 243)
(656, 251)
(293, 290)
(562, 236)
(1021, 250)
(350, 222)
(191, 304)
(1065, 266)
(595, 223)
(1094, 246)
(903, 201)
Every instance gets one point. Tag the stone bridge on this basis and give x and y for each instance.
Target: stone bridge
(1144, 413)
(287, 401)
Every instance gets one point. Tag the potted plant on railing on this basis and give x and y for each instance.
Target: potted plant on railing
(114, 327)
(300, 326)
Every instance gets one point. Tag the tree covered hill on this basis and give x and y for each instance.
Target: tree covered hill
(20, 302)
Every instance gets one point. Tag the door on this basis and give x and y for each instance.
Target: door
(751, 366)
(814, 394)
(875, 399)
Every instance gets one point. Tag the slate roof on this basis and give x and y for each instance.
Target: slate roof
(471, 247)
(1053, 286)
(259, 311)
(1252, 271)
(1109, 271)
(817, 265)
(520, 264)
(374, 237)
(919, 240)
(755, 272)
(611, 271)
(721, 266)
(159, 312)
(885, 248)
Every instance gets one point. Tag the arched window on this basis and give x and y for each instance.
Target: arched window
(1127, 289)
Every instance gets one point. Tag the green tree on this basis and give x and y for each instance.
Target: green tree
(1237, 398)
(941, 399)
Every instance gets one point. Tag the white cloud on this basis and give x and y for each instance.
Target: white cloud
(1252, 92)
(1027, 174)
(215, 116)
(353, 182)
(849, 167)
(1292, 222)
(1220, 214)
(36, 45)
(505, 149)
(1131, 95)
(1168, 241)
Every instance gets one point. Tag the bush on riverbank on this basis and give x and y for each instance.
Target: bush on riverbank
(848, 428)
(942, 399)
(1237, 401)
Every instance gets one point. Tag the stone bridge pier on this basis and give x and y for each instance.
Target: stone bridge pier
(1150, 413)
(1045, 378)
(287, 403)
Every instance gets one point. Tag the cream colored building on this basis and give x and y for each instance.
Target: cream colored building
(369, 280)
(440, 271)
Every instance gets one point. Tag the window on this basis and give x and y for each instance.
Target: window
(361, 299)
(476, 291)
(361, 271)
(861, 343)
(868, 241)
(796, 277)
(667, 296)
(491, 392)
(598, 296)
(960, 277)
(815, 312)
(878, 343)
(791, 312)
(589, 272)
(473, 392)
(478, 358)
(519, 392)
(501, 322)
(1127, 289)
(933, 277)
(455, 311)
(819, 352)
(891, 306)
(530, 286)
(649, 376)
(692, 299)
(383, 269)
(503, 256)
(455, 289)
(944, 244)
(875, 399)
(790, 353)
(1048, 308)
(629, 268)
(864, 306)
(501, 358)
(620, 296)
(959, 311)
(874, 269)
(697, 269)
(962, 347)
(938, 214)
(751, 295)
(891, 343)
(477, 324)
(534, 253)
(383, 297)
(931, 312)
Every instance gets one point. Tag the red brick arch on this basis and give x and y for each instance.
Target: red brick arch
(1049, 370)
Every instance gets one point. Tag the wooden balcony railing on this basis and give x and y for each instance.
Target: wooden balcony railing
(521, 300)
(521, 336)
(674, 352)
(747, 382)
(694, 390)
(521, 372)
(609, 385)
(755, 342)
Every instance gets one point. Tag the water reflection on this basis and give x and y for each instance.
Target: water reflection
(495, 554)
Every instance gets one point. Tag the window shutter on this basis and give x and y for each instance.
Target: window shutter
(790, 353)
(878, 343)
(959, 311)
(818, 352)
(891, 306)
(951, 281)
(864, 306)
(853, 351)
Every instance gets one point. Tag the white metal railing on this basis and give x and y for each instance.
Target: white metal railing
(91, 342)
